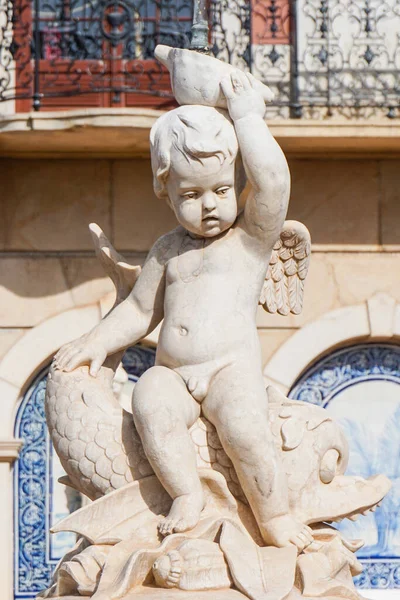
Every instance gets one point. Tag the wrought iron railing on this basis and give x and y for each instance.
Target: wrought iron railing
(321, 57)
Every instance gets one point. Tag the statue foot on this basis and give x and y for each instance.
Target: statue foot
(184, 514)
(286, 530)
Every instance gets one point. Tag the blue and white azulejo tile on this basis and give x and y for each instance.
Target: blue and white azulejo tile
(360, 387)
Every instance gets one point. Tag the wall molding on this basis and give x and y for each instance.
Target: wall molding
(9, 450)
(376, 319)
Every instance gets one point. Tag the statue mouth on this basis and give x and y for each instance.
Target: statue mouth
(347, 497)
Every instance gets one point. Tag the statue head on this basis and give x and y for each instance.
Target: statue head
(197, 168)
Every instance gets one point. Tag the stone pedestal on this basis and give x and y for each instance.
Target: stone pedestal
(151, 593)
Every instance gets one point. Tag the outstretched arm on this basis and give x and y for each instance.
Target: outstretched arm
(129, 322)
(264, 161)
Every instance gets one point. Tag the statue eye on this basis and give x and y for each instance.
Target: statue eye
(190, 195)
(222, 191)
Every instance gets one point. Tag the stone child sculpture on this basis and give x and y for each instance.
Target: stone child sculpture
(205, 279)
(229, 471)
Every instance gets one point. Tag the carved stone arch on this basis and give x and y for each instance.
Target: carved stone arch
(33, 351)
(374, 320)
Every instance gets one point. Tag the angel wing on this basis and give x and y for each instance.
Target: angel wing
(283, 287)
(121, 273)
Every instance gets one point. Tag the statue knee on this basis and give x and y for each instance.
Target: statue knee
(235, 435)
(144, 396)
(149, 394)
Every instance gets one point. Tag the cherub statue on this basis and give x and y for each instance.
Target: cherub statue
(208, 481)
(204, 279)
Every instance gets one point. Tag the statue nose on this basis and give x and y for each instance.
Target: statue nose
(209, 201)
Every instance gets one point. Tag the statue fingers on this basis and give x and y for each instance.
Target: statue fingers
(77, 359)
(65, 350)
(237, 82)
(244, 80)
(95, 366)
(227, 88)
(66, 357)
(299, 542)
(62, 352)
(309, 536)
(60, 361)
(67, 354)
(253, 81)
(304, 539)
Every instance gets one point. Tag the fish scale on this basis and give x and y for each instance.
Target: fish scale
(101, 451)
(87, 432)
(97, 441)
(81, 408)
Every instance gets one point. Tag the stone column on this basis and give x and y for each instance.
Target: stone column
(9, 450)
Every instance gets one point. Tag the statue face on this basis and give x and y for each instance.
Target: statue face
(202, 194)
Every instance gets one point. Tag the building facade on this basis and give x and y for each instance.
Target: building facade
(79, 92)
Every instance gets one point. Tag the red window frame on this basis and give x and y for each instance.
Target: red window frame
(65, 83)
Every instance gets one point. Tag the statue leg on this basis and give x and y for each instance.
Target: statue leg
(163, 412)
(237, 405)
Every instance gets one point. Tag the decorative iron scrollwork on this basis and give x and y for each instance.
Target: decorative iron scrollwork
(320, 57)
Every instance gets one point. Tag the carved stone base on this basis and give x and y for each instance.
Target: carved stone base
(152, 593)
(199, 559)
(149, 593)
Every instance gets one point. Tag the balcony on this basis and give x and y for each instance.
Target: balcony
(322, 58)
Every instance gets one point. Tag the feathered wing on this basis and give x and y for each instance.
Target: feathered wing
(283, 288)
(122, 274)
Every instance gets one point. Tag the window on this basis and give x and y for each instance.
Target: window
(96, 52)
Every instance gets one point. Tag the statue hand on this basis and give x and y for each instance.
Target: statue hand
(86, 350)
(241, 95)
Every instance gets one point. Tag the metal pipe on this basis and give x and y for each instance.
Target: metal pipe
(295, 107)
(36, 77)
(199, 40)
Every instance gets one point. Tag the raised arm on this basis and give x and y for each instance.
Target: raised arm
(129, 322)
(263, 159)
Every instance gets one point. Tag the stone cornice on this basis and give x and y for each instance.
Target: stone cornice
(125, 133)
(9, 449)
